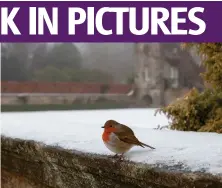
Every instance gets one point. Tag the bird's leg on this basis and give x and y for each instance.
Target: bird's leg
(114, 156)
(121, 157)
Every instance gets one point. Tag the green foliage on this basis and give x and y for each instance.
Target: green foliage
(53, 74)
(212, 61)
(63, 63)
(201, 111)
(28, 61)
(87, 75)
(64, 55)
(196, 112)
(14, 62)
(39, 59)
(50, 74)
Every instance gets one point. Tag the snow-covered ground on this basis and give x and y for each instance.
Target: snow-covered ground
(81, 130)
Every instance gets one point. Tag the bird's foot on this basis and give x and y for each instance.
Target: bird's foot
(113, 156)
(119, 157)
(116, 156)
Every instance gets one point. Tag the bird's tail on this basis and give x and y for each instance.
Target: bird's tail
(142, 144)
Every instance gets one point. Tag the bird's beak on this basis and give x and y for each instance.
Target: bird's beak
(103, 127)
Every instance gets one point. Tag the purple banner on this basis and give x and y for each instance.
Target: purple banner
(110, 21)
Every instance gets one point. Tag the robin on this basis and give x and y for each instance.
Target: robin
(119, 138)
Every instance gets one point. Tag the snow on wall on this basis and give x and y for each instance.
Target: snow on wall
(81, 130)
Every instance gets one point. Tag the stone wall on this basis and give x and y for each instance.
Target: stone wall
(28, 164)
(17, 99)
(32, 98)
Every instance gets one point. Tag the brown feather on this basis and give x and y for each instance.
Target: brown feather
(127, 135)
(130, 139)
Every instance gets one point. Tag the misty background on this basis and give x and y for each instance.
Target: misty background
(68, 62)
(109, 74)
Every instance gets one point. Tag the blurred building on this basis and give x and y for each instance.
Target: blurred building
(165, 71)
